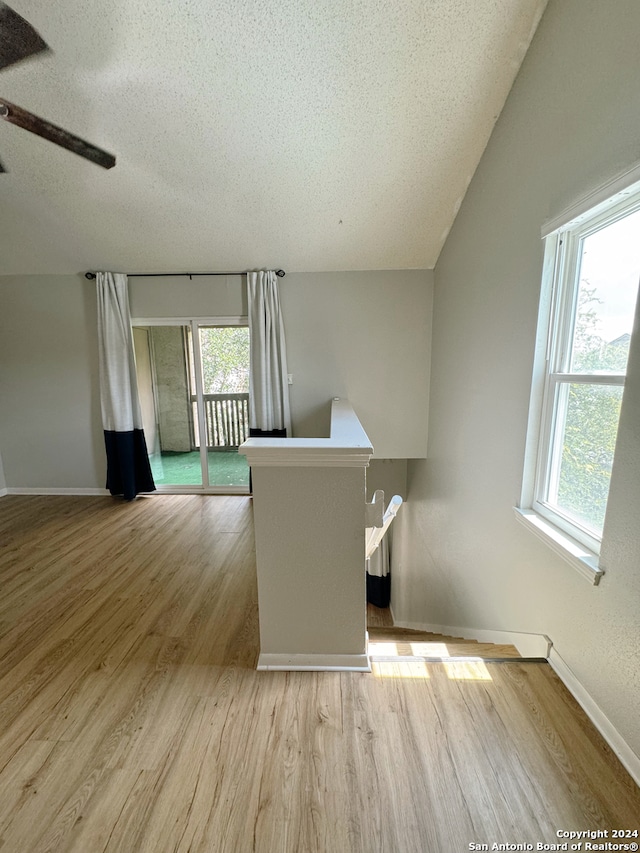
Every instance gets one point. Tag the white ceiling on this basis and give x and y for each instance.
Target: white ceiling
(303, 134)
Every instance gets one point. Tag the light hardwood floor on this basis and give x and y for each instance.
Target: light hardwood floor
(132, 718)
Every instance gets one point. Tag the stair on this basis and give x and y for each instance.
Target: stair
(390, 643)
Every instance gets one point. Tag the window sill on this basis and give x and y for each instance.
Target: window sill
(580, 558)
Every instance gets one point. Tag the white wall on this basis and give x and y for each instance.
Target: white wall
(178, 296)
(50, 430)
(359, 335)
(2, 479)
(311, 582)
(461, 558)
(366, 337)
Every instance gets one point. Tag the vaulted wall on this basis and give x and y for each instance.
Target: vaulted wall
(569, 125)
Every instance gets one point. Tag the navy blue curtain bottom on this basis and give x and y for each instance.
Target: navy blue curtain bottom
(128, 468)
(267, 433)
(254, 432)
(379, 590)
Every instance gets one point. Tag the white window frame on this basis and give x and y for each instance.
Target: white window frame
(576, 542)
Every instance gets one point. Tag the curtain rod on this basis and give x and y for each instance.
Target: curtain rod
(92, 275)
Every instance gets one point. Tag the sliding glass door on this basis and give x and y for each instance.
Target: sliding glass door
(193, 377)
(224, 361)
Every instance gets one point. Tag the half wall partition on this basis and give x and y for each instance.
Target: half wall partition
(309, 514)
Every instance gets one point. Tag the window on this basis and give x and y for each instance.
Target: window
(590, 287)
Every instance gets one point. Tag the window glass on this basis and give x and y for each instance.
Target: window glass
(609, 270)
(174, 361)
(583, 456)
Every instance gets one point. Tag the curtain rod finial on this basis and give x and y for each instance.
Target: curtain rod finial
(90, 275)
(280, 273)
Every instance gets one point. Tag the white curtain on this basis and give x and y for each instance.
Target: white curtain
(128, 468)
(268, 384)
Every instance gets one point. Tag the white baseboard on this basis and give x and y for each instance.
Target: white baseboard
(314, 663)
(55, 491)
(529, 645)
(612, 736)
(163, 490)
(3, 492)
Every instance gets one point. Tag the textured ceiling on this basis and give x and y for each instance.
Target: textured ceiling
(303, 134)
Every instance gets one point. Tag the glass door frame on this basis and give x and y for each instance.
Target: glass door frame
(194, 324)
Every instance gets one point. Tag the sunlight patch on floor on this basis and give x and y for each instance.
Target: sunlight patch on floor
(399, 669)
(405, 649)
(468, 670)
(411, 660)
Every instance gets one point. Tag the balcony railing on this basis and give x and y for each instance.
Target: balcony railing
(226, 420)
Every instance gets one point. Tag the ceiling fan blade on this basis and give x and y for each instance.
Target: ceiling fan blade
(28, 121)
(18, 39)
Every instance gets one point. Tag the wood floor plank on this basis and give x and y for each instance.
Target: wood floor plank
(20, 778)
(133, 720)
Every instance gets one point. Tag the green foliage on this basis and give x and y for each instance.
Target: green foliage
(592, 413)
(225, 359)
(589, 441)
(590, 353)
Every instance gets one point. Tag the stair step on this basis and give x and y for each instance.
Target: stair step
(402, 642)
